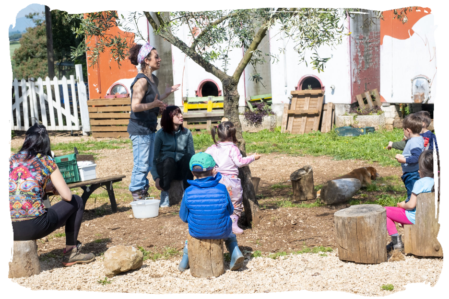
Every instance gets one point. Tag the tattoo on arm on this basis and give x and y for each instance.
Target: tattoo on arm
(139, 90)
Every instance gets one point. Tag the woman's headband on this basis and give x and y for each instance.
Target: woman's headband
(144, 51)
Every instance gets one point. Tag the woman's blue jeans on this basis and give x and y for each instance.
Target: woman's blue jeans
(143, 153)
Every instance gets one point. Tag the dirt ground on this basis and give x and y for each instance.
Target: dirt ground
(280, 229)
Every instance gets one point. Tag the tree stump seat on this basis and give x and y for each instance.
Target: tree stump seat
(302, 184)
(205, 257)
(360, 234)
(25, 260)
(420, 239)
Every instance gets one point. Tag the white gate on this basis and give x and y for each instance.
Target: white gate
(54, 103)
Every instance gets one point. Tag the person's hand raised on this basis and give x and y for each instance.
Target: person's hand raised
(169, 89)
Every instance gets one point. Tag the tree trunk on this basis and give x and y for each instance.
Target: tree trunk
(302, 183)
(420, 239)
(339, 191)
(25, 261)
(231, 111)
(360, 234)
(205, 257)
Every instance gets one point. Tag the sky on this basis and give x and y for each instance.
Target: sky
(33, 7)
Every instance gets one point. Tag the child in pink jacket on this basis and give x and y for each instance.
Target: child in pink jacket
(228, 158)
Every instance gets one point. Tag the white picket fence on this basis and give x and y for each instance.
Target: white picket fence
(40, 100)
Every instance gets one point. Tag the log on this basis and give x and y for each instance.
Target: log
(420, 239)
(302, 183)
(360, 234)
(205, 257)
(25, 261)
(339, 191)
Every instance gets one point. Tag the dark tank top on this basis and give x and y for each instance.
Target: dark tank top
(144, 122)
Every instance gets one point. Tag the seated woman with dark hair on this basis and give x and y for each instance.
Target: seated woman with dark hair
(32, 171)
(173, 148)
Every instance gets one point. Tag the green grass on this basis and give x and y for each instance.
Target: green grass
(280, 186)
(166, 254)
(59, 235)
(12, 47)
(104, 281)
(385, 200)
(289, 204)
(387, 287)
(370, 147)
(46, 257)
(84, 147)
(256, 253)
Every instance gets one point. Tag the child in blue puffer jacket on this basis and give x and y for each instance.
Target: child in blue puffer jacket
(207, 207)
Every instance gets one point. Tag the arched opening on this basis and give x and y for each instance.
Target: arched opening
(310, 82)
(208, 88)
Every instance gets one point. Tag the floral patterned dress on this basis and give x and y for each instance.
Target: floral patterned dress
(27, 181)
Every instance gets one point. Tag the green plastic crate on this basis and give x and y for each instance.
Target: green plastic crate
(69, 168)
(350, 131)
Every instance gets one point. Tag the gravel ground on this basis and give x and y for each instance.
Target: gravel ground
(312, 272)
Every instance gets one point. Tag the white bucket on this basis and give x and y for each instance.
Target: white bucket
(147, 208)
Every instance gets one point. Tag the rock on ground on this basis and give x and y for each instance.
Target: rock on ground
(119, 259)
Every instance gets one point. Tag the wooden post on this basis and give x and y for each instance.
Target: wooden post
(302, 183)
(284, 119)
(50, 58)
(256, 182)
(420, 239)
(25, 261)
(339, 191)
(360, 234)
(205, 257)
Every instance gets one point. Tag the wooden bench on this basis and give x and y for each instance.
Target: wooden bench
(91, 185)
(420, 239)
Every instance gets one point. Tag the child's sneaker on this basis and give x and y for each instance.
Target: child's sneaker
(395, 244)
(74, 256)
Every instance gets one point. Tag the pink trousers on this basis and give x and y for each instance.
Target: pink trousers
(395, 214)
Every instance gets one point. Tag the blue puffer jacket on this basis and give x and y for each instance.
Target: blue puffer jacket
(207, 207)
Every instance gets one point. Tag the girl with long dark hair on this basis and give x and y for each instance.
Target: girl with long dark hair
(32, 171)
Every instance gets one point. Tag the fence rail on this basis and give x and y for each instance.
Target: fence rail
(60, 105)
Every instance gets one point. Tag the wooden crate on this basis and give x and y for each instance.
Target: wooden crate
(202, 120)
(109, 117)
(305, 111)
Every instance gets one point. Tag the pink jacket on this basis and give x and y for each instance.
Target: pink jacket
(228, 158)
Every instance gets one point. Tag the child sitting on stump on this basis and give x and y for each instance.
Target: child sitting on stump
(206, 207)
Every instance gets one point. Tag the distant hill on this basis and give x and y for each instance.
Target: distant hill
(21, 25)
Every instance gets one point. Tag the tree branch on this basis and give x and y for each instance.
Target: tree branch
(151, 20)
(160, 19)
(252, 47)
(209, 28)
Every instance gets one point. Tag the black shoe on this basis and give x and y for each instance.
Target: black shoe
(395, 244)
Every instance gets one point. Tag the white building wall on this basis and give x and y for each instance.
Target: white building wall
(287, 72)
(402, 60)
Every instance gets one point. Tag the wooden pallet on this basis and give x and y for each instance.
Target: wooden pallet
(109, 117)
(368, 96)
(204, 103)
(202, 120)
(328, 118)
(305, 111)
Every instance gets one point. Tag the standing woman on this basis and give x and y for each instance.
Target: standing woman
(145, 106)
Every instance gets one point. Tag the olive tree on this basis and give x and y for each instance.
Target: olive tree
(214, 34)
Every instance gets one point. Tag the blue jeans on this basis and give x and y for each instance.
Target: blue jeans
(143, 153)
(409, 179)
